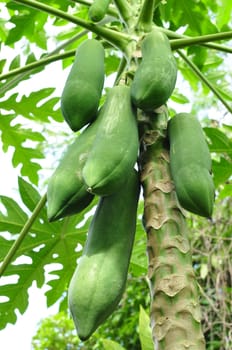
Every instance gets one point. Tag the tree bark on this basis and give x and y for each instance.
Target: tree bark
(175, 309)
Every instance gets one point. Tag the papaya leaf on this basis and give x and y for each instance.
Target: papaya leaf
(226, 191)
(15, 63)
(25, 141)
(145, 334)
(138, 262)
(26, 22)
(2, 64)
(14, 218)
(199, 55)
(59, 279)
(28, 193)
(111, 345)
(224, 13)
(111, 64)
(38, 106)
(212, 61)
(179, 98)
(222, 171)
(219, 142)
(47, 247)
(16, 136)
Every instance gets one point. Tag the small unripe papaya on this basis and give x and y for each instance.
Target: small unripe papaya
(98, 10)
(99, 280)
(155, 77)
(190, 164)
(82, 91)
(67, 193)
(115, 148)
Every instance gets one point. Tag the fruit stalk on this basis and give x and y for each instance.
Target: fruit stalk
(175, 310)
(145, 20)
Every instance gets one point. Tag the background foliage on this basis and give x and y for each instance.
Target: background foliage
(34, 135)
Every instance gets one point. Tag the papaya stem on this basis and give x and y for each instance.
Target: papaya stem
(13, 250)
(145, 20)
(118, 39)
(34, 65)
(175, 309)
(210, 45)
(179, 43)
(197, 71)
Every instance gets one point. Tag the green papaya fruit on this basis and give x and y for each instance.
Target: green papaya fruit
(82, 91)
(155, 77)
(99, 280)
(115, 148)
(66, 192)
(190, 164)
(98, 10)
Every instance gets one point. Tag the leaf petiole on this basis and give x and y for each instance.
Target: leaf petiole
(174, 35)
(179, 43)
(36, 64)
(145, 19)
(13, 250)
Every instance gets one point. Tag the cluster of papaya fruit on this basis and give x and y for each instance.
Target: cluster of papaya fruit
(101, 162)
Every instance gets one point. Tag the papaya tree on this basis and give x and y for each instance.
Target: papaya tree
(160, 60)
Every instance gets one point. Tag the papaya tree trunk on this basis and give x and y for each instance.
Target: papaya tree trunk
(175, 310)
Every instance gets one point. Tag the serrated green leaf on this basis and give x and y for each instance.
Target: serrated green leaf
(41, 246)
(5, 245)
(28, 193)
(31, 58)
(219, 142)
(59, 285)
(19, 137)
(46, 245)
(34, 107)
(22, 24)
(145, 334)
(179, 98)
(15, 217)
(15, 63)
